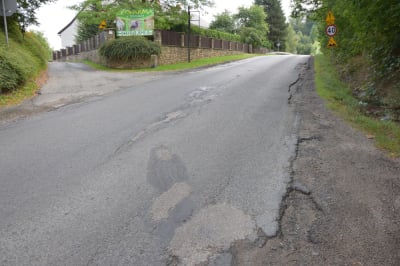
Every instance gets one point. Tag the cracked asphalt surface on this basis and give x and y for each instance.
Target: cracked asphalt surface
(238, 164)
(342, 206)
(148, 168)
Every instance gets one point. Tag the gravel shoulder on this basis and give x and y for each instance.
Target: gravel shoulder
(343, 206)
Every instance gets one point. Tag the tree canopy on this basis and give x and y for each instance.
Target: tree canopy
(364, 28)
(252, 25)
(169, 14)
(224, 22)
(26, 14)
(276, 21)
(368, 47)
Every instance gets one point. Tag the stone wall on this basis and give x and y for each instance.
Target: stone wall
(171, 55)
(88, 50)
(93, 56)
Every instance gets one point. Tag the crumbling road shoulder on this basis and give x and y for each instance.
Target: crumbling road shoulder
(343, 206)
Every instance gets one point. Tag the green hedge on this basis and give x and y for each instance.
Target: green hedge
(128, 48)
(215, 34)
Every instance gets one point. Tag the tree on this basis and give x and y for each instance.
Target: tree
(365, 28)
(26, 14)
(368, 32)
(253, 28)
(27, 10)
(276, 21)
(292, 40)
(252, 17)
(224, 22)
(169, 14)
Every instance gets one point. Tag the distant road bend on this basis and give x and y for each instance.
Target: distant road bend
(168, 169)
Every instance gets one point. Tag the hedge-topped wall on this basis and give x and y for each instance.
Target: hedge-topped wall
(177, 52)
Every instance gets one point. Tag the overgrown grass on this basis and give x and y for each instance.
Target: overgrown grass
(339, 97)
(20, 64)
(179, 66)
(17, 96)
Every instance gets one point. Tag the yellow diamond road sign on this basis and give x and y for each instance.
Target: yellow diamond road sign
(103, 24)
(330, 19)
(332, 43)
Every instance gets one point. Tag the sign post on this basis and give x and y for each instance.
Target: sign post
(8, 7)
(331, 29)
(5, 20)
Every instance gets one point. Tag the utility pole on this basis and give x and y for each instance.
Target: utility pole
(188, 39)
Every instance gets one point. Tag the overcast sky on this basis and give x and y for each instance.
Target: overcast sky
(55, 16)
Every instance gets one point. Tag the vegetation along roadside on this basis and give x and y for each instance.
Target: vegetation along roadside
(22, 65)
(341, 100)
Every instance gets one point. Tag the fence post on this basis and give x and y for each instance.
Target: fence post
(76, 49)
(97, 41)
(212, 43)
(157, 37)
(182, 39)
(110, 35)
(93, 41)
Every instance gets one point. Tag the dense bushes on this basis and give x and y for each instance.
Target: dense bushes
(129, 48)
(25, 57)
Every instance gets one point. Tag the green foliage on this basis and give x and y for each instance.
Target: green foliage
(26, 14)
(302, 37)
(304, 45)
(215, 34)
(249, 23)
(368, 32)
(341, 100)
(365, 27)
(291, 40)
(252, 17)
(22, 60)
(169, 14)
(86, 31)
(28, 8)
(276, 21)
(224, 22)
(253, 36)
(129, 48)
(253, 28)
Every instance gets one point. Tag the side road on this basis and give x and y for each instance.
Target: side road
(75, 82)
(343, 207)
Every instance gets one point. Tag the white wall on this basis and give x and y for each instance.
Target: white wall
(68, 36)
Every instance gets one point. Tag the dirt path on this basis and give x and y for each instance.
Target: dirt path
(343, 207)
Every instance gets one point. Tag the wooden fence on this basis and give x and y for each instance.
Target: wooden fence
(180, 39)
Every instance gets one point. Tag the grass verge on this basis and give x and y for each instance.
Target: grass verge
(15, 97)
(179, 66)
(340, 99)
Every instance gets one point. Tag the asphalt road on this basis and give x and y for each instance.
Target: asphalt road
(167, 169)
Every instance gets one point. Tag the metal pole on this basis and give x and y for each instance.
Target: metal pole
(5, 21)
(188, 40)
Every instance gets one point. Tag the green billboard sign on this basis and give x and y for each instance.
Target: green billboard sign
(135, 22)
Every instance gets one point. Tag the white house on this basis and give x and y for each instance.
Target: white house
(68, 33)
